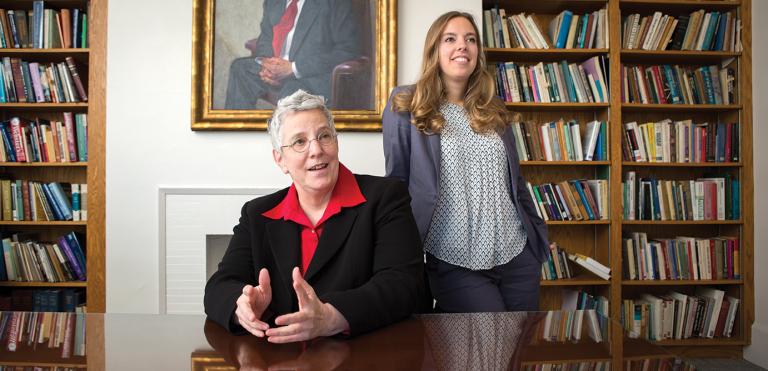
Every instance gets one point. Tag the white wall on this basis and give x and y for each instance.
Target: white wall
(150, 145)
(757, 352)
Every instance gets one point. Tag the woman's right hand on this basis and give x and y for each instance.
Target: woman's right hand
(252, 304)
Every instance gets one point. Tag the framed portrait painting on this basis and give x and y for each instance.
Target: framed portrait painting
(248, 54)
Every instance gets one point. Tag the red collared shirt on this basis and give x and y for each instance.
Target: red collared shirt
(346, 193)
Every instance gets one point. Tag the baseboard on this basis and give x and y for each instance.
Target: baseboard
(756, 353)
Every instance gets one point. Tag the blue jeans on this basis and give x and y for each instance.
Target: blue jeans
(513, 286)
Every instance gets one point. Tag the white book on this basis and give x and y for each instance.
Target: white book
(512, 81)
(572, 32)
(83, 202)
(576, 140)
(717, 296)
(488, 29)
(544, 132)
(536, 33)
(651, 32)
(682, 311)
(590, 139)
(535, 202)
(731, 318)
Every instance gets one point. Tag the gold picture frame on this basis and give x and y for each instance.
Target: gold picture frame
(209, 113)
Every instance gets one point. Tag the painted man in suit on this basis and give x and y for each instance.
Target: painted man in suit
(301, 41)
(333, 253)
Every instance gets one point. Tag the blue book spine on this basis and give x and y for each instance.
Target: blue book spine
(583, 34)
(61, 200)
(709, 38)
(3, 98)
(77, 249)
(655, 199)
(51, 202)
(720, 142)
(562, 35)
(79, 270)
(721, 31)
(710, 90)
(9, 151)
(654, 261)
(672, 83)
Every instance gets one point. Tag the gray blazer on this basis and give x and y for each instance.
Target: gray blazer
(415, 158)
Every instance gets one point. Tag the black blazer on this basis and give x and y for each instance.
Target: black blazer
(368, 263)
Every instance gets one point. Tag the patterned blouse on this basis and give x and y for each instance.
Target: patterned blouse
(475, 224)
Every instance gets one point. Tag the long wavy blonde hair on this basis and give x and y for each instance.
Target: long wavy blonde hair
(486, 111)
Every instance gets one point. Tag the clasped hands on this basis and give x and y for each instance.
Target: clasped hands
(313, 319)
(275, 70)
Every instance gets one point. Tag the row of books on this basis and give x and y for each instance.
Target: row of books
(561, 141)
(557, 267)
(43, 300)
(710, 198)
(675, 84)
(512, 31)
(661, 364)
(568, 324)
(577, 199)
(36, 82)
(43, 28)
(681, 141)
(564, 82)
(65, 331)
(26, 200)
(33, 261)
(680, 258)
(568, 366)
(574, 31)
(701, 30)
(41, 140)
(40, 368)
(709, 313)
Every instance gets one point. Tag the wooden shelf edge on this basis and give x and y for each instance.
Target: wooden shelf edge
(578, 222)
(680, 282)
(57, 223)
(564, 163)
(43, 284)
(43, 164)
(44, 50)
(680, 164)
(681, 222)
(680, 107)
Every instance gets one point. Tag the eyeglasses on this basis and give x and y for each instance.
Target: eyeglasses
(300, 145)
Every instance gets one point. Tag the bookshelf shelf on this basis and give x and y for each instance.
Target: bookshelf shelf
(681, 222)
(538, 6)
(540, 55)
(675, 56)
(45, 106)
(639, 107)
(44, 224)
(673, 6)
(713, 341)
(43, 284)
(679, 282)
(53, 365)
(577, 281)
(578, 222)
(44, 164)
(549, 352)
(564, 163)
(680, 164)
(532, 106)
(44, 52)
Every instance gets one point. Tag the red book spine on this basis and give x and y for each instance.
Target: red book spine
(69, 336)
(13, 331)
(656, 72)
(25, 197)
(691, 257)
(18, 80)
(721, 317)
(728, 139)
(16, 138)
(712, 260)
(69, 127)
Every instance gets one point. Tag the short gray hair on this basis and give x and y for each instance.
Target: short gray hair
(296, 102)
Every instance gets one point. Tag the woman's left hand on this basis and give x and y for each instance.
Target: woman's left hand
(313, 319)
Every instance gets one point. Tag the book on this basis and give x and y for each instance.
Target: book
(592, 265)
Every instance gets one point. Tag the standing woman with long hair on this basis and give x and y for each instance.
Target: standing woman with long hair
(448, 136)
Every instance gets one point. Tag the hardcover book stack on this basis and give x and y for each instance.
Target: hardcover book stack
(676, 84)
(562, 82)
(681, 258)
(709, 313)
(512, 31)
(682, 141)
(561, 141)
(49, 300)
(577, 199)
(41, 28)
(581, 312)
(580, 31)
(701, 30)
(709, 198)
(672, 364)
(556, 267)
(41, 140)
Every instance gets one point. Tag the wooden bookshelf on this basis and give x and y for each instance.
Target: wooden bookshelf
(602, 240)
(91, 63)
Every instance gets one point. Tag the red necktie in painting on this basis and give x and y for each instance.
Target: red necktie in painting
(281, 29)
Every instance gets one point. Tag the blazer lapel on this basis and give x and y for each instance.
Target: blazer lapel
(284, 241)
(305, 20)
(508, 139)
(334, 234)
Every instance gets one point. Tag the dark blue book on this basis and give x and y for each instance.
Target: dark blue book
(714, 18)
(77, 248)
(580, 190)
(565, 25)
(57, 215)
(720, 142)
(736, 199)
(654, 260)
(655, 199)
(721, 32)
